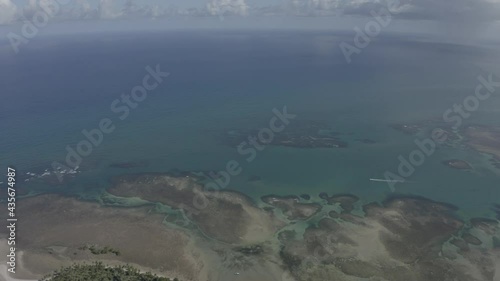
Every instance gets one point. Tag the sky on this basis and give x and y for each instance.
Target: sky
(445, 10)
(462, 18)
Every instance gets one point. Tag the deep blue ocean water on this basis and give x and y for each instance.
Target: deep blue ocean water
(58, 86)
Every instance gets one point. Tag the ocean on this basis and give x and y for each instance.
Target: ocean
(223, 81)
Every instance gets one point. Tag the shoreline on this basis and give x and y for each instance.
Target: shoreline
(192, 257)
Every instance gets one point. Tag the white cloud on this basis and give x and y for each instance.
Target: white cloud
(156, 11)
(467, 12)
(314, 7)
(440, 10)
(8, 11)
(227, 7)
(108, 10)
(83, 6)
(324, 4)
(133, 10)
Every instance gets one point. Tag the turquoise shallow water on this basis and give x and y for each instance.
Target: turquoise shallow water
(231, 81)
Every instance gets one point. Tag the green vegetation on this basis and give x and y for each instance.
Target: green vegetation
(251, 250)
(99, 272)
(100, 251)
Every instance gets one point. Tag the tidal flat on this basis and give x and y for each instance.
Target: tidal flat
(170, 225)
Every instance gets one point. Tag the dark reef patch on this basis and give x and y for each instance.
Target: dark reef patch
(298, 134)
(128, 165)
(305, 196)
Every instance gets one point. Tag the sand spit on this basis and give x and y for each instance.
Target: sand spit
(21, 273)
(4, 276)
